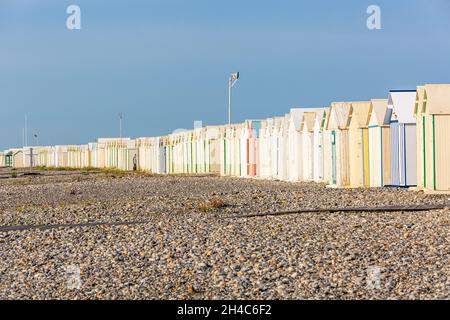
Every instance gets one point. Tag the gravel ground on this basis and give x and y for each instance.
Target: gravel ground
(190, 248)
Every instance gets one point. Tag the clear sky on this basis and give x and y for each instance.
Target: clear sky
(165, 63)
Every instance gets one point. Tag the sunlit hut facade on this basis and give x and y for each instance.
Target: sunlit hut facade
(294, 144)
(327, 148)
(61, 156)
(92, 146)
(379, 143)
(307, 132)
(78, 156)
(358, 136)
(338, 126)
(433, 110)
(250, 148)
(213, 148)
(403, 138)
(230, 150)
(207, 146)
(152, 154)
(120, 153)
(265, 147)
(144, 151)
(235, 150)
(284, 148)
(46, 157)
(319, 122)
(275, 147)
(200, 150)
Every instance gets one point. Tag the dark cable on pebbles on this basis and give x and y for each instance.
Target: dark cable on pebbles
(426, 207)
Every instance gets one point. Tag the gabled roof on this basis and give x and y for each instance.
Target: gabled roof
(296, 116)
(437, 98)
(320, 117)
(338, 116)
(402, 104)
(359, 113)
(326, 117)
(380, 115)
(308, 121)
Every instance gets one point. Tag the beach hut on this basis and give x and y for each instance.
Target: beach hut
(212, 153)
(61, 157)
(265, 147)
(116, 153)
(200, 150)
(15, 158)
(433, 116)
(145, 148)
(283, 172)
(2, 159)
(280, 147)
(358, 136)
(327, 149)
(229, 150)
(46, 157)
(294, 143)
(403, 138)
(237, 150)
(307, 152)
(338, 126)
(92, 149)
(78, 156)
(249, 145)
(275, 147)
(318, 150)
(9, 159)
(295, 165)
(379, 143)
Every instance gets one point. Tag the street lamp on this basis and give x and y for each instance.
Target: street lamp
(36, 141)
(233, 78)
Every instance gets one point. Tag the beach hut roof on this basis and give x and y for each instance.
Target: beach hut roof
(359, 112)
(320, 118)
(402, 104)
(437, 99)
(338, 116)
(308, 121)
(380, 115)
(296, 116)
(325, 118)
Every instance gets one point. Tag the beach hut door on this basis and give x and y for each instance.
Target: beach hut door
(333, 156)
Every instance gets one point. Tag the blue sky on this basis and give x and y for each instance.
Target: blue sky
(165, 63)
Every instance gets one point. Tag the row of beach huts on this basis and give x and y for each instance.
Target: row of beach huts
(401, 141)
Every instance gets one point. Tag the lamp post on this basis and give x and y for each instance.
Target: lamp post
(233, 78)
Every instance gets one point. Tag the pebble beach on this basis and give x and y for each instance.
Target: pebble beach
(139, 236)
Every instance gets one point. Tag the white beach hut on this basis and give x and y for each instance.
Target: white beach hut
(403, 138)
